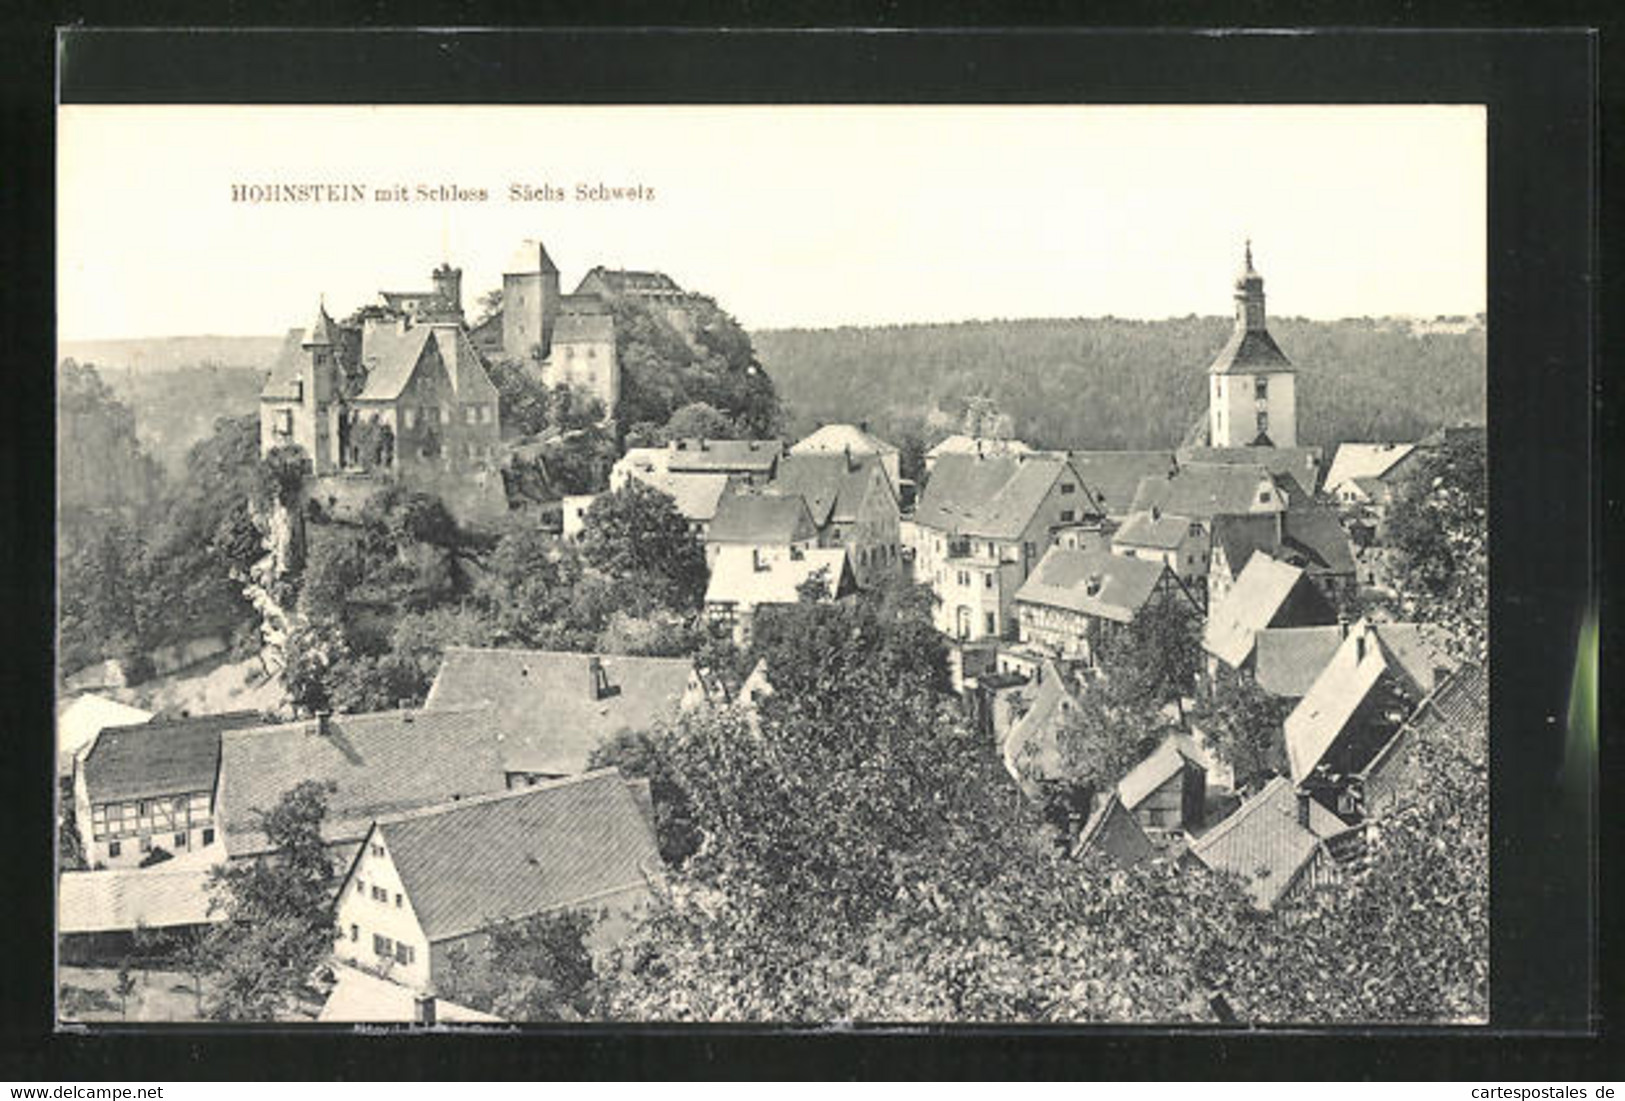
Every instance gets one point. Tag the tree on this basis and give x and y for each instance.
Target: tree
(697, 420)
(637, 533)
(1244, 725)
(311, 655)
(522, 399)
(641, 756)
(124, 984)
(1100, 739)
(535, 969)
(1154, 661)
(277, 912)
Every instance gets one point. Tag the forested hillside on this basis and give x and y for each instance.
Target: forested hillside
(1116, 383)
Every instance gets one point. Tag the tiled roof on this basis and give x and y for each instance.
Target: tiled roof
(1240, 536)
(1248, 607)
(1205, 490)
(530, 258)
(80, 719)
(545, 716)
(713, 456)
(1159, 532)
(1113, 477)
(159, 758)
(995, 496)
(286, 368)
(1300, 463)
(623, 281)
(832, 485)
(584, 328)
(840, 438)
(1314, 537)
(390, 356)
(1162, 765)
(735, 578)
(1064, 577)
(321, 331)
(1113, 830)
(696, 495)
(1262, 843)
(769, 518)
(1314, 725)
(1364, 460)
(1288, 659)
(360, 998)
(126, 898)
(1461, 704)
(1031, 740)
(463, 363)
(978, 445)
(1250, 351)
(557, 845)
(380, 763)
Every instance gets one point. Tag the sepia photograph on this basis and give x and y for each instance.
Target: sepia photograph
(826, 566)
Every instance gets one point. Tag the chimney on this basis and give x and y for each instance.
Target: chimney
(1092, 585)
(324, 723)
(1342, 625)
(1303, 808)
(1359, 647)
(423, 1009)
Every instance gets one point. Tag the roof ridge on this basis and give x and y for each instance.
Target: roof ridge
(433, 809)
(347, 716)
(1246, 810)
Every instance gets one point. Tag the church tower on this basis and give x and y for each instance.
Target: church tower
(1252, 399)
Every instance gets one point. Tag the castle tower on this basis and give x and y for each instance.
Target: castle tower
(448, 287)
(530, 302)
(1252, 399)
(319, 390)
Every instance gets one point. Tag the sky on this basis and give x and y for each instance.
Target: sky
(788, 216)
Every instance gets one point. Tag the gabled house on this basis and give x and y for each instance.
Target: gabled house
(763, 520)
(751, 462)
(1113, 477)
(153, 786)
(360, 997)
(974, 447)
(382, 763)
(1288, 659)
(1180, 542)
(548, 711)
(1202, 491)
(1274, 844)
(982, 525)
(1301, 464)
(1116, 834)
(1168, 790)
(1349, 713)
(1313, 538)
(426, 882)
(855, 440)
(1267, 594)
(1077, 599)
(853, 504)
(745, 579)
(1456, 710)
(1374, 463)
(80, 719)
(1030, 746)
(1234, 539)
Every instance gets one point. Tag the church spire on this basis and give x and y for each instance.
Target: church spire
(1249, 294)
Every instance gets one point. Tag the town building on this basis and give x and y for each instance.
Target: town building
(362, 998)
(766, 521)
(1267, 594)
(1295, 469)
(80, 719)
(1252, 399)
(1031, 746)
(1114, 833)
(982, 525)
(1205, 491)
(853, 504)
(1456, 710)
(429, 881)
(974, 447)
(1077, 600)
(1274, 845)
(1167, 792)
(99, 912)
(1112, 478)
(1360, 471)
(149, 790)
(549, 710)
(696, 496)
(1177, 541)
(748, 462)
(855, 440)
(1287, 660)
(745, 579)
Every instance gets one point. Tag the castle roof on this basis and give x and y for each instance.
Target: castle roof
(320, 333)
(530, 258)
(584, 328)
(282, 383)
(1251, 352)
(391, 357)
(621, 281)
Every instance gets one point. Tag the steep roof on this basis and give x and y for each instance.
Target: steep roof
(80, 719)
(770, 518)
(1324, 712)
(832, 485)
(321, 331)
(1240, 536)
(1260, 591)
(1113, 477)
(126, 898)
(697, 495)
(1158, 532)
(360, 998)
(463, 363)
(714, 456)
(1302, 464)
(1459, 705)
(1064, 577)
(530, 258)
(993, 495)
(584, 328)
(390, 355)
(1364, 460)
(1250, 352)
(736, 578)
(1205, 490)
(544, 714)
(1164, 763)
(1261, 843)
(562, 844)
(158, 758)
(1032, 737)
(380, 763)
(1314, 537)
(286, 368)
(1113, 830)
(841, 438)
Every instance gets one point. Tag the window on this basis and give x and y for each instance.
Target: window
(992, 623)
(380, 895)
(445, 415)
(208, 836)
(1263, 422)
(397, 900)
(411, 416)
(180, 840)
(360, 887)
(1261, 389)
(404, 954)
(377, 849)
(1029, 550)
(485, 414)
(1067, 488)
(988, 579)
(1067, 516)
(1263, 496)
(382, 945)
(284, 422)
(355, 933)
(470, 414)
(113, 848)
(146, 844)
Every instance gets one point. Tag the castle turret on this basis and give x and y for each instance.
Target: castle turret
(318, 389)
(530, 302)
(1252, 399)
(448, 287)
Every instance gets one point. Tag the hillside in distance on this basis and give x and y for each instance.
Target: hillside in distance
(166, 353)
(1116, 383)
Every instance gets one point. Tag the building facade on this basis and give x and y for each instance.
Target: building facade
(1252, 397)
